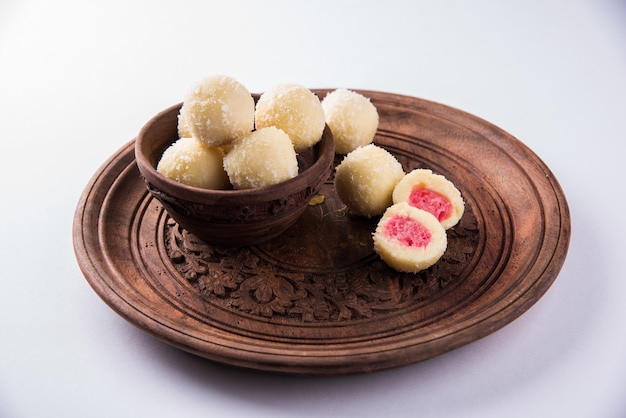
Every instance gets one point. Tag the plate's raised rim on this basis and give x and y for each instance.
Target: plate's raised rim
(93, 265)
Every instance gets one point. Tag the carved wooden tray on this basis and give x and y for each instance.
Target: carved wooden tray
(317, 300)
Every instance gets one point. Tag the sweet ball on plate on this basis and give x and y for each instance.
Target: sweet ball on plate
(409, 239)
(352, 118)
(294, 109)
(365, 179)
(433, 193)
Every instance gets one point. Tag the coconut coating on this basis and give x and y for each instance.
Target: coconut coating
(409, 239)
(352, 118)
(432, 192)
(184, 130)
(217, 110)
(191, 162)
(261, 158)
(296, 110)
(365, 180)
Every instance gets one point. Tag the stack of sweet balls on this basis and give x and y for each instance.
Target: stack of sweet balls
(417, 208)
(226, 142)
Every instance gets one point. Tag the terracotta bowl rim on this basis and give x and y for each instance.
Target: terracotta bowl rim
(324, 148)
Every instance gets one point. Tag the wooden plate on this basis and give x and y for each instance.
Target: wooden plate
(317, 300)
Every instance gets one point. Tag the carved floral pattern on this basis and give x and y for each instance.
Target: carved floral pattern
(242, 279)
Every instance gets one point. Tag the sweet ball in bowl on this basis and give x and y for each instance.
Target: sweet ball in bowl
(230, 217)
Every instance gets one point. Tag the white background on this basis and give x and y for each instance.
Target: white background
(78, 79)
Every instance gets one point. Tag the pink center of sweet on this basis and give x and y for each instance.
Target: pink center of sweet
(432, 202)
(407, 231)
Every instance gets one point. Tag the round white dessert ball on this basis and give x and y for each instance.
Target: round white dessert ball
(262, 158)
(184, 130)
(365, 179)
(352, 118)
(294, 109)
(217, 110)
(192, 162)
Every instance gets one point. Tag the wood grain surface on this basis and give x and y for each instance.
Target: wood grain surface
(317, 300)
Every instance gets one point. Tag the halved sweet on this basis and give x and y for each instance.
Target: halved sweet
(365, 179)
(433, 193)
(409, 239)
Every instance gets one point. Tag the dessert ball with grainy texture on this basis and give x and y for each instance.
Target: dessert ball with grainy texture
(433, 193)
(217, 110)
(191, 162)
(294, 109)
(184, 130)
(365, 179)
(262, 158)
(352, 118)
(409, 239)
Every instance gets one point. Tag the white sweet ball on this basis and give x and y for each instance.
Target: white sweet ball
(191, 162)
(365, 179)
(352, 118)
(261, 158)
(217, 110)
(294, 109)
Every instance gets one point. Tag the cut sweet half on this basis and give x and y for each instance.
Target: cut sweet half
(409, 239)
(423, 189)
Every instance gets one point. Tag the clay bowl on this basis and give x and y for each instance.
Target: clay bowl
(230, 217)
